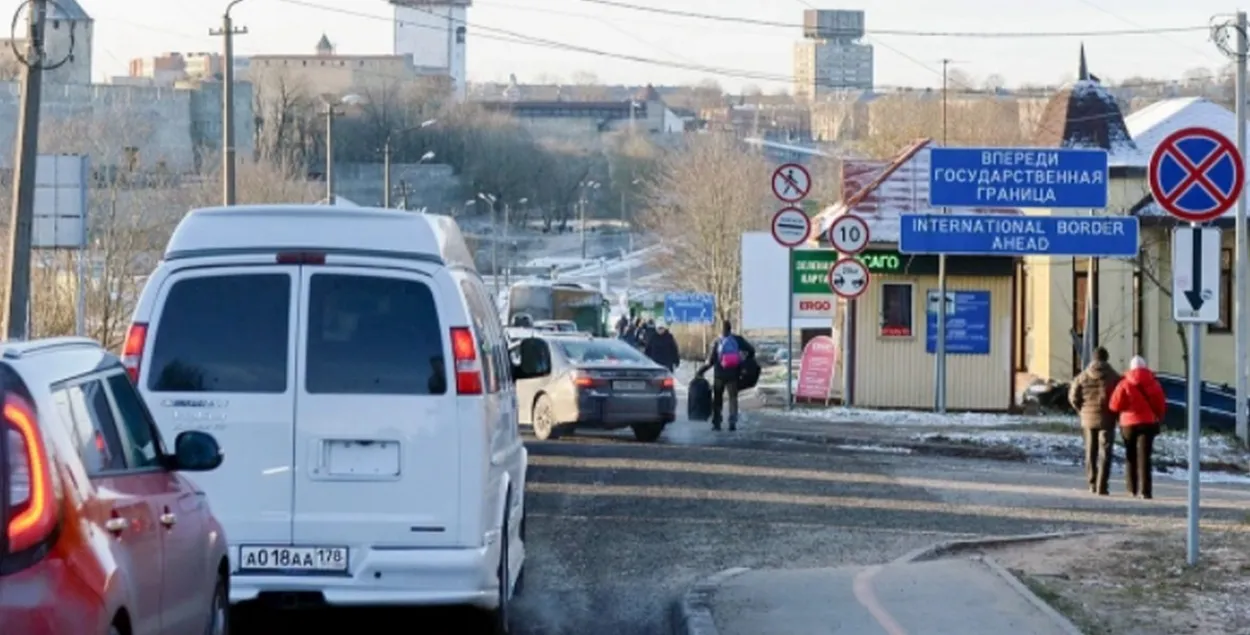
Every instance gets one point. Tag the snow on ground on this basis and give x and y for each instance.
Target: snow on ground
(908, 418)
(1170, 448)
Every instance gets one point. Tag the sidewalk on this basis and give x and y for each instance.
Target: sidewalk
(1053, 440)
(942, 597)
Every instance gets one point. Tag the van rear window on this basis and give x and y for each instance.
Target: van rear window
(369, 335)
(223, 334)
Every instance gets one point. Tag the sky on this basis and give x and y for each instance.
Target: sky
(127, 29)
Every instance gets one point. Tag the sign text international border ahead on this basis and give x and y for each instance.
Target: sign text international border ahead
(1009, 235)
(1018, 177)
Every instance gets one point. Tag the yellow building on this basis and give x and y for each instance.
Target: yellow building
(890, 329)
(325, 72)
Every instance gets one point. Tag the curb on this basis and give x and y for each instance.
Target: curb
(1038, 603)
(692, 612)
(950, 548)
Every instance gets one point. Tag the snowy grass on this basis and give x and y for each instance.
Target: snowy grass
(1170, 447)
(918, 419)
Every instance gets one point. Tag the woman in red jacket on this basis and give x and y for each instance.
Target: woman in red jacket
(1140, 402)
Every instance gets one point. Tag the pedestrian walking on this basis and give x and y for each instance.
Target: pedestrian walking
(662, 348)
(726, 358)
(1141, 404)
(1090, 395)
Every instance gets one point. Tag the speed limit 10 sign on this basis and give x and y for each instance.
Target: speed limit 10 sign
(849, 234)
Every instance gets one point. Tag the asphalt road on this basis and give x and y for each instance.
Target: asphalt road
(617, 529)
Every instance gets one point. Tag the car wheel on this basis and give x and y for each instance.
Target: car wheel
(544, 418)
(648, 432)
(219, 610)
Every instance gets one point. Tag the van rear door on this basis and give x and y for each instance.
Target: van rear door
(377, 437)
(217, 357)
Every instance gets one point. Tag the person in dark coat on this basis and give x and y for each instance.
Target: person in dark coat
(1090, 395)
(1141, 404)
(648, 332)
(663, 349)
(728, 353)
(621, 325)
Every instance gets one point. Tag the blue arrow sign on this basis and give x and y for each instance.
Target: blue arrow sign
(690, 308)
(1018, 178)
(1008, 235)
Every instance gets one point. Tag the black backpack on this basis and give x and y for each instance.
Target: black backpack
(699, 400)
(749, 376)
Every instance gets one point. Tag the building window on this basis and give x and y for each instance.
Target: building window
(1225, 325)
(460, 35)
(896, 309)
(132, 158)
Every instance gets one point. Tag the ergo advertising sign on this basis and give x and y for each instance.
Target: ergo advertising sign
(809, 280)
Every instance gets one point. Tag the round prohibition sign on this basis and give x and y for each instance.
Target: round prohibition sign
(791, 227)
(849, 234)
(848, 278)
(1196, 174)
(791, 182)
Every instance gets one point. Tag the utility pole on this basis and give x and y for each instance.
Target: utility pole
(582, 223)
(386, 174)
(939, 358)
(227, 33)
(21, 221)
(1241, 314)
(331, 113)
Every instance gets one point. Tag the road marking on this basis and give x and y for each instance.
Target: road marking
(688, 520)
(848, 502)
(688, 467)
(867, 598)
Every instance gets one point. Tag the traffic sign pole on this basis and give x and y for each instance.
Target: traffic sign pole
(1193, 400)
(790, 338)
(1241, 316)
(1197, 174)
(791, 183)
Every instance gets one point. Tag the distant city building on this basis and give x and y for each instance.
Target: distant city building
(585, 121)
(326, 72)
(831, 56)
(431, 33)
(68, 37)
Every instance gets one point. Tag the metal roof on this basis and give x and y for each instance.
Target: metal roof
(67, 10)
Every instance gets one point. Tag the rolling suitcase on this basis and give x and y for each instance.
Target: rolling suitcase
(699, 400)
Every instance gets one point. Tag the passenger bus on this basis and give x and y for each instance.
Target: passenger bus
(539, 300)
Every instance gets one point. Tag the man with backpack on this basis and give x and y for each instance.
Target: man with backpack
(729, 352)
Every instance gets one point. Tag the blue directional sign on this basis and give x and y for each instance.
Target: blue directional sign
(690, 308)
(1007, 235)
(1018, 177)
(967, 322)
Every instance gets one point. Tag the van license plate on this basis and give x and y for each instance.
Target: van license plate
(293, 559)
(629, 385)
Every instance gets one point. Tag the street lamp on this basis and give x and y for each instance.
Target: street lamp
(331, 113)
(386, 158)
(227, 95)
(494, 239)
(592, 185)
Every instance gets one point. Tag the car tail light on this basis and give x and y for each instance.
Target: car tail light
(583, 379)
(668, 382)
(132, 349)
(468, 368)
(301, 258)
(32, 509)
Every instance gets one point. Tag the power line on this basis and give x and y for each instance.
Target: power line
(505, 35)
(907, 32)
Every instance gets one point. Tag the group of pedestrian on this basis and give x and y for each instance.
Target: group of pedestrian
(652, 338)
(1136, 403)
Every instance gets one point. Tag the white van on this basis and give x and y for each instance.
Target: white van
(356, 374)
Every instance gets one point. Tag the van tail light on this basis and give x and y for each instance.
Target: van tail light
(468, 367)
(132, 349)
(32, 509)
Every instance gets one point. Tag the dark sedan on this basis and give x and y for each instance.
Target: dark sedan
(565, 382)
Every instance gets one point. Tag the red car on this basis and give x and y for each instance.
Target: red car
(100, 534)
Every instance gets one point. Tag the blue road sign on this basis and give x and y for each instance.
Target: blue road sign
(1007, 235)
(1018, 177)
(967, 322)
(690, 308)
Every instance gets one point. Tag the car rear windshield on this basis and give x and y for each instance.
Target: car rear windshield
(369, 335)
(227, 333)
(605, 351)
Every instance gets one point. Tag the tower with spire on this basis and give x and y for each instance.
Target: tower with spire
(433, 34)
(68, 36)
(325, 48)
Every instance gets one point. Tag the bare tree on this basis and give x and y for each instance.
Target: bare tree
(897, 120)
(286, 117)
(701, 200)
